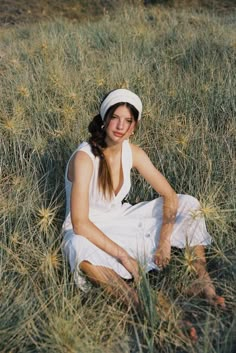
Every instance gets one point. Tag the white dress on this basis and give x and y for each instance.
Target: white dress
(135, 228)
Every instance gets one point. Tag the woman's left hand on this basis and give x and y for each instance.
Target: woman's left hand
(162, 254)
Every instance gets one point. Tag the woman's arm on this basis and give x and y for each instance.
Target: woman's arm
(170, 202)
(81, 170)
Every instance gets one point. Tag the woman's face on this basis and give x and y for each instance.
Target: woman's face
(121, 126)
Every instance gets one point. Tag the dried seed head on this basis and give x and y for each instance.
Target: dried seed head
(46, 217)
(50, 261)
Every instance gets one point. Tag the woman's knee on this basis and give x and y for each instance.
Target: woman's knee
(74, 244)
(189, 202)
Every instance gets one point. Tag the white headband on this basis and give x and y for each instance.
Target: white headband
(121, 96)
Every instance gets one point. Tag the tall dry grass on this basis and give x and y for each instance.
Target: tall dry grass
(53, 75)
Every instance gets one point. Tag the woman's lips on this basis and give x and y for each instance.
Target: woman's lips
(118, 134)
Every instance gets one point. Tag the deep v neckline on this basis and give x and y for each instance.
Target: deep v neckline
(122, 174)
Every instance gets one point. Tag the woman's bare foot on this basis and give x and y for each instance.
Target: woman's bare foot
(204, 285)
(212, 298)
(207, 290)
(170, 312)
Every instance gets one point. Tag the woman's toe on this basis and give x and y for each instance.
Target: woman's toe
(192, 333)
(218, 301)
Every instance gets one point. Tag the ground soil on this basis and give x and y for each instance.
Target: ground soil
(14, 12)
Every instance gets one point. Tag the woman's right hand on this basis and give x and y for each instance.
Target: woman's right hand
(131, 266)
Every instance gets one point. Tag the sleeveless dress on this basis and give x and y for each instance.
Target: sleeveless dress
(135, 228)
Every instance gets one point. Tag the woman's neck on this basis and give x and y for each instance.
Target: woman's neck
(113, 149)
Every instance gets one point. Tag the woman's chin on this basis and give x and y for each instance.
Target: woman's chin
(114, 140)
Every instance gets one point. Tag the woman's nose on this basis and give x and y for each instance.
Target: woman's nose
(120, 124)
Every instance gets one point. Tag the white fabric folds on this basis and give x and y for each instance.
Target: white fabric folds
(121, 96)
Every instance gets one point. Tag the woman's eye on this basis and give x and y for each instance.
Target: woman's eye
(130, 121)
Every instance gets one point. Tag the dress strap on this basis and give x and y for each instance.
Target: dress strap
(127, 162)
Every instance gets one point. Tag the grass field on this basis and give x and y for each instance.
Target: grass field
(53, 75)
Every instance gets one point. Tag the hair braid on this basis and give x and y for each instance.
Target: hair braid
(97, 143)
(97, 138)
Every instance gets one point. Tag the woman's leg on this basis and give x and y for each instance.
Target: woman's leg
(111, 282)
(190, 228)
(204, 284)
(117, 287)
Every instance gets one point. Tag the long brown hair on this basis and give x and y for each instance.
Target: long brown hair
(97, 129)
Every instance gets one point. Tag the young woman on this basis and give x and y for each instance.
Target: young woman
(110, 240)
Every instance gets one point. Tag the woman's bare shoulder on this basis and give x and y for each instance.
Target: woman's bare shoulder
(81, 157)
(136, 149)
(138, 155)
(80, 163)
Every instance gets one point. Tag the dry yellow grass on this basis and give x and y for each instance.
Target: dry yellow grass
(53, 75)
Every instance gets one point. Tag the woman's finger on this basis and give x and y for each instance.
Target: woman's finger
(161, 262)
(167, 260)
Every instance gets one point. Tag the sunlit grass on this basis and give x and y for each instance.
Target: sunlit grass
(53, 75)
